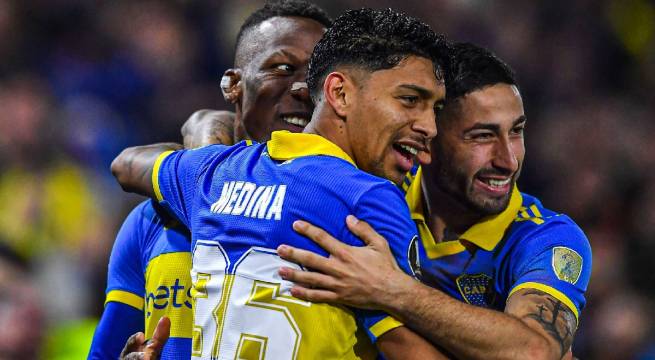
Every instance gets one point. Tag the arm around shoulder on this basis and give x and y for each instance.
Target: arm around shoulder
(132, 168)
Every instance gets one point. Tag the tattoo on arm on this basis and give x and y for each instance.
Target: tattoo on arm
(222, 129)
(554, 317)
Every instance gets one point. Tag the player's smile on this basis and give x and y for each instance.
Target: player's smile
(479, 150)
(294, 121)
(393, 118)
(273, 96)
(406, 152)
(494, 185)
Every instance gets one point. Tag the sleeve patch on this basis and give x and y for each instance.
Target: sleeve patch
(567, 264)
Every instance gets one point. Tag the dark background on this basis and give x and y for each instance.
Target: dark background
(81, 79)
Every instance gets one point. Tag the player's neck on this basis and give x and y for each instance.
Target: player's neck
(326, 124)
(444, 214)
(239, 129)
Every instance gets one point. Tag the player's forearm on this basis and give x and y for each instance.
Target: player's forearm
(206, 127)
(132, 168)
(465, 330)
(403, 343)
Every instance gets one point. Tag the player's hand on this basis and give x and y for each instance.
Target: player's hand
(205, 127)
(137, 348)
(366, 277)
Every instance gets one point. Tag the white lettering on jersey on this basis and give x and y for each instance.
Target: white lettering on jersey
(248, 199)
(276, 207)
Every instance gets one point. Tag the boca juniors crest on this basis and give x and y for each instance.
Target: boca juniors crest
(476, 289)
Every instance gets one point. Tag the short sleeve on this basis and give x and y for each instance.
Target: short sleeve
(125, 278)
(175, 177)
(385, 209)
(555, 259)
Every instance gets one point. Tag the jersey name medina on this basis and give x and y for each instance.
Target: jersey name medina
(243, 198)
(240, 203)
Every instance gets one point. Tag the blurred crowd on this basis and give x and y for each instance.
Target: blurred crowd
(80, 80)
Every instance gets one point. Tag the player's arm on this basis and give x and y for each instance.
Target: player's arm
(117, 323)
(123, 313)
(365, 277)
(384, 207)
(133, 167)
(402, 343)
(206, 127)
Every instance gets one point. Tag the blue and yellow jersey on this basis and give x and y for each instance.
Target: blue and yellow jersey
(240, 203)
(525, 246)
(150, 271)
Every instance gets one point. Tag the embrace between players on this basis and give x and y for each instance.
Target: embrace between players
(308, 243)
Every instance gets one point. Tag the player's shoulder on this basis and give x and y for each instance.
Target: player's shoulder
(156, 231)
(537, 227)
(344, 179)
(214, 153)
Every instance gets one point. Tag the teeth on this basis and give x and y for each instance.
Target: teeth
(498, 183)
(296, 121)
(409, 149)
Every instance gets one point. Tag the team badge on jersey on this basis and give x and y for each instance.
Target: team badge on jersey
(476, 289)
(567, 264)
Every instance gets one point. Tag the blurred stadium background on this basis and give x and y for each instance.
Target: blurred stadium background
(80, 80)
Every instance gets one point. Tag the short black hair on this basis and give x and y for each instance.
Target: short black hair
(373, 40)
(472, 68)
(299, 8)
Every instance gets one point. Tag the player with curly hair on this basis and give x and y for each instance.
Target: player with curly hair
(376, 79)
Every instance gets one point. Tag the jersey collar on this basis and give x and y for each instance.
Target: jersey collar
(285, 145)
(486, 234)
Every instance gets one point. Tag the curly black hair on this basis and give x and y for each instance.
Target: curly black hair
(472, 68)
(299, 8)
(373, 40)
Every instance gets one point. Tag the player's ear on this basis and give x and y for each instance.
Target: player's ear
(231, 85)
(335, 90)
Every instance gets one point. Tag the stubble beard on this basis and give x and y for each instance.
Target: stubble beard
(454, 182)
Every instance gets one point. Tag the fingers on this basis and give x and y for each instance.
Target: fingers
(318, 235)
(364, 231)
(134, 344)
(133, 356)
(314, 295)
(307, 279)
(305, 258)
(159, 338)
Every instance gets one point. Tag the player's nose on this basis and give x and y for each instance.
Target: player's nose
(505, 156)
(426, 125)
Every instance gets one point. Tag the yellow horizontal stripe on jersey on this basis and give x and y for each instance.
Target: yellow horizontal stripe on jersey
(155, 173)
(550, 291)
(125, 297)
(384, 325)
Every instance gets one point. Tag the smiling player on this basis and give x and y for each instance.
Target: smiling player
(149, 268)
(240, 201)
(511, 275)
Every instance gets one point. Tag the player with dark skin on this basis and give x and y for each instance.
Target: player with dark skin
(480, 138)
(405, 97)
(267, 87)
